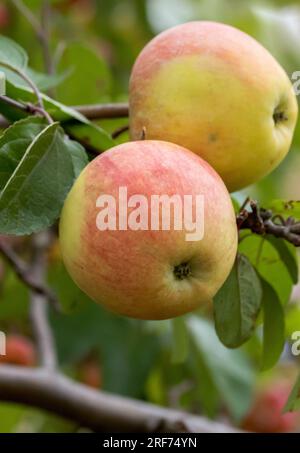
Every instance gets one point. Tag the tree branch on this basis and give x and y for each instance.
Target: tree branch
(39, 304)
(41, 30)
(44, 35)
(22, 271)
(120, 131)
(97, 410)
(261, 221)
(103, 111)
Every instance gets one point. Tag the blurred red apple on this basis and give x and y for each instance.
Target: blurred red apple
(19, 351)
(266, 414)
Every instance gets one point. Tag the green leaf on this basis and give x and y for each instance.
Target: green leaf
(293, 402)
(14, 142)
(42, 81)
(78, 156)
(58, 111)
(228, 372)
(292, 319)
(287, 254)
(180, 340)
(12, 53)
(14, 304)
(90, 134)
(237, 304)
(79, 127)
(70, 296)
(236, 205)
(33, 196)
(127, 350)
(266, 260)
(87, 65)
(2, 84)
(274, 328)
(10, 416)
(286, 208)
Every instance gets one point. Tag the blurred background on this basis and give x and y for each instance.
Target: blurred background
(99, 40)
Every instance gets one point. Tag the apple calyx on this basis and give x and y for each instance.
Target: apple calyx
(182, 271)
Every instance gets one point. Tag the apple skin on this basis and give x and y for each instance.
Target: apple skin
(266, 414)
(132, 272)
(214, 90)
(19, 351)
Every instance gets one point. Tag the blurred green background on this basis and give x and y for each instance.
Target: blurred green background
(94, 45)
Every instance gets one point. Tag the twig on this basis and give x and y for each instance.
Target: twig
(261, 221)
(93, 409)
(40, 108)
(39, 304)
(119, 131)
(16, 104)
(3, 122)
(29, 108)
(27, 13)
(41, 30)
(45, 36)
(103, 111)
(23, 273)
(27, 80)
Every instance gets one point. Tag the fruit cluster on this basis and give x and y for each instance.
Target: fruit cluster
(211, 111)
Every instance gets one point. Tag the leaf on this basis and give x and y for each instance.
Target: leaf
(228, 371)
(180, 340)
(266, 260)
(79, 127)
(14, 142)
(33, 196)
(86, 64)
(42, 81)
(287, 255)
(93, 135)
(78, 156)
(14, 304)
(10, 416)
(293, 402)
(292, 319)
(237, 304)
(274, 328)
(127, 351)
(236, 205)
(286, 208)
(70, 296)
(2, 84)
(12, 53)
(58, 111)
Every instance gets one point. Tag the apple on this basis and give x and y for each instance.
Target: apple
(135, 266)
(19, 351)
(216, 91)
(266, 414)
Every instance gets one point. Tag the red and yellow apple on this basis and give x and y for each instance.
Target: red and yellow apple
(19, 351)
(216, 91)
(266, 415)
(144, 272)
